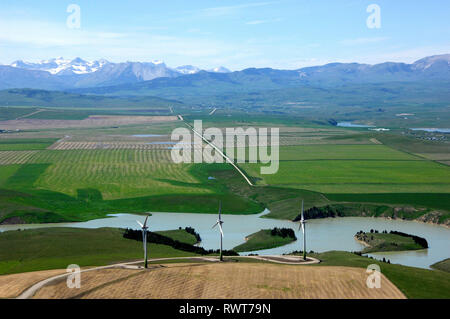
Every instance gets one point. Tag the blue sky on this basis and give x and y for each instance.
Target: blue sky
(237, 34)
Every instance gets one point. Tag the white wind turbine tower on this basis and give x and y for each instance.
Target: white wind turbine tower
(219, 223)
(144, 239)
(302, 226)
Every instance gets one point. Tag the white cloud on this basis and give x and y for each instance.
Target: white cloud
(255, 22)
(359, 41)
(227, 10)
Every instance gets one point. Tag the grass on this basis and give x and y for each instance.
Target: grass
(443, 265)
(179, 234)
(262, 239)
(388, 242)
(22, 199)
(433, 200)
(330, 176)
(341, 152)
(56, 248)
(415, 283)
(116, 173)
(25, 144)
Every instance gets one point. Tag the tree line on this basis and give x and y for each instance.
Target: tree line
(156, 238)
(320, 212)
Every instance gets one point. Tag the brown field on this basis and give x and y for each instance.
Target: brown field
(12, 285)
(91, 121)
(230, 281)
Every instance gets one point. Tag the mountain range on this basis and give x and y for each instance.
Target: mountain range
(155, 78)
(60, 73)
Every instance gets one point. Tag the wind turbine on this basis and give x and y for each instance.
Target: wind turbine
(302, 226)
(220, 222)
(144, 239)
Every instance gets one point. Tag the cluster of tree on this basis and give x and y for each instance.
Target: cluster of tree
(363, 236)
(192, 231)
(164, 240)
(320, 212)
(418, 240)
(283, 232)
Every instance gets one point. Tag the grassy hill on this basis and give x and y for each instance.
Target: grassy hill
(42, 98)
(377, 242)
(56, 248)
(443, 265)
(263, 239)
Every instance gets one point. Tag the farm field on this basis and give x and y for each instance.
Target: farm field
(225, 280)
(25, 144)
(91, 121)
(354, 169)
(76, 174)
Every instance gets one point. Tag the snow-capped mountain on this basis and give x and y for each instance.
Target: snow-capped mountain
(62, 66)
(220, 69)
(187, 69)
(62, 74)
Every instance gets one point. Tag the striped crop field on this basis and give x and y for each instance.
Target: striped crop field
(15, 157)
(115, 173)
(86, 145)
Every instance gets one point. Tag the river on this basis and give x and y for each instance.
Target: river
(321, 234)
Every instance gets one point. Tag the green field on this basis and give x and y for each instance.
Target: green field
(432, 200)
(70, 194)
(56, 248)
(262, 240)
(25, 144)
(116, 173)
(354, 169)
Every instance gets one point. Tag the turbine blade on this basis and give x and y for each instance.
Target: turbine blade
(299, 225)
(220, 209)
(140, 224)
(215, 225)
(145, 222)
(303, 227)
(221, 230)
